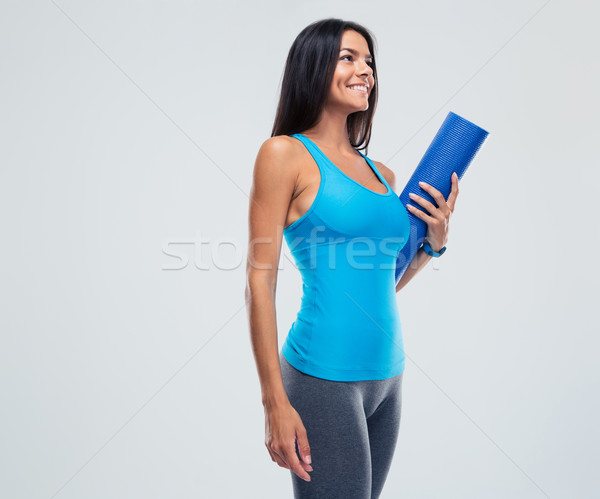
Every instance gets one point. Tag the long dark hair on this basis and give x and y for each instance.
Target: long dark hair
(307, 78)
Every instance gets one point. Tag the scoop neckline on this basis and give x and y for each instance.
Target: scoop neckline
(369, 163)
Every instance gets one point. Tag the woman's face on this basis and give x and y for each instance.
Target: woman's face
(353, 68)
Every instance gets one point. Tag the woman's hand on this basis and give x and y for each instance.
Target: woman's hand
(283, 426)
(437, 222)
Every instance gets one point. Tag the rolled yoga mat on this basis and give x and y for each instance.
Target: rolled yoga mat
(452, 150)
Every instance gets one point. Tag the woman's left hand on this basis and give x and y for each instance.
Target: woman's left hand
(437, 222)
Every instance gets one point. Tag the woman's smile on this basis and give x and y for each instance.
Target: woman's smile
(360, 88)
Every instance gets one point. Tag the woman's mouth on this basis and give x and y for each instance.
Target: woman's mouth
(358, 88)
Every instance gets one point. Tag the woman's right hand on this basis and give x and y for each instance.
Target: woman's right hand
(283, 426)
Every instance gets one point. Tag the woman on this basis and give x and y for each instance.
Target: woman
(332, 397)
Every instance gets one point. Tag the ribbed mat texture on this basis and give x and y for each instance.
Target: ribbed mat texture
(452, 150)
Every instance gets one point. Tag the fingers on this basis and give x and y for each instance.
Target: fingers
(286, 457)
(415, 211)
(306, 466)
(443, 209)
(435, 194)
(304, 449)
(291, 458)
(276, 458)
(454, 192)
(303, 446)
(431, 208)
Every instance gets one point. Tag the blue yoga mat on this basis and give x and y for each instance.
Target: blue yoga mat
(452, 150)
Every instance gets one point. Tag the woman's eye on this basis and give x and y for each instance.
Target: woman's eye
(370, 63)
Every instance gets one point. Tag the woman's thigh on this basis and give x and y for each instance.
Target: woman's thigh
(333, 414)
(383, 427)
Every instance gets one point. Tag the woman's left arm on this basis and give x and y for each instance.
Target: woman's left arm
(437, 222)
(418, 262)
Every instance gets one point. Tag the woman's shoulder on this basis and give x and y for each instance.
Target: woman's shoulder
(282, 149)
(281, 145)
(280, 156)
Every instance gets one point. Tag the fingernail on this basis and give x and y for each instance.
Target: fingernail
(307, 459)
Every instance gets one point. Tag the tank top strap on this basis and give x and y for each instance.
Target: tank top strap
(375, 170)
(315, 152)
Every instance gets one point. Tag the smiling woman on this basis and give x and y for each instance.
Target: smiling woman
(333, 393)
(323, 52)
(332, 396)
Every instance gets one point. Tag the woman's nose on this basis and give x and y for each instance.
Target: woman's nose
(365, 69)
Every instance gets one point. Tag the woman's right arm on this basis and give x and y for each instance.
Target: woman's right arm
(273, 184)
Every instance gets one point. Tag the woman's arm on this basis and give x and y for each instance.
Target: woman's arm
(272, 188)
(418, 262)
(437, 221)
(274, 181)
(421, 258)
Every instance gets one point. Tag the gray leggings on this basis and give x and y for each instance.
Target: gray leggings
(352, 429)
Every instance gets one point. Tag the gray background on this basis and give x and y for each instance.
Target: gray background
(129, 133)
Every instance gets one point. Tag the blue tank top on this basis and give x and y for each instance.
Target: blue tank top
(345, 247)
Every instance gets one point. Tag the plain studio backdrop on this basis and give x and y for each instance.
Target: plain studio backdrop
(129, 134)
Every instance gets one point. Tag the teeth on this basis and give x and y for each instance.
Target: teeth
(358, 87)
